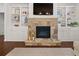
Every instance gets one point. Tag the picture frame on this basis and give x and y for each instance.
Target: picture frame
(15, 16)
(24, 16)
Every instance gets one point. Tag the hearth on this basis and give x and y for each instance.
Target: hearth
(42, 31)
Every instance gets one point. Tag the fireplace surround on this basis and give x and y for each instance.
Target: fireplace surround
(42, 32)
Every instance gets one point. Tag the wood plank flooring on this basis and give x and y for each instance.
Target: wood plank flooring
(6, 47)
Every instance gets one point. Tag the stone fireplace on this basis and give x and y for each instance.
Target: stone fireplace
(42, 32)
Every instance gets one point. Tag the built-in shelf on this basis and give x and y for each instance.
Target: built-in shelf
(19, 15)
(67, 16)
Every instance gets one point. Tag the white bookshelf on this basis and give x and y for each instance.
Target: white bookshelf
(22, 14)
(66, 15)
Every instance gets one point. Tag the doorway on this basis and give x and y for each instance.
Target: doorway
(1, 32)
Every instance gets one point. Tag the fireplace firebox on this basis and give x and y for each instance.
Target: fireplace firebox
(42, 31)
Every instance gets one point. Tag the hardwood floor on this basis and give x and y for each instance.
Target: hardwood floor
(1, 44)
(6, 47)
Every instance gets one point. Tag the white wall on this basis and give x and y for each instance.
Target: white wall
(1, 23)
(2, 9)
(13, 33)
(69, 33)
(47, 16)
(17, 33)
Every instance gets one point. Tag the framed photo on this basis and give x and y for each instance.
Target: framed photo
(15, 16)
(24, 15)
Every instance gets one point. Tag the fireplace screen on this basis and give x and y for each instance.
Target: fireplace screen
(43, 32)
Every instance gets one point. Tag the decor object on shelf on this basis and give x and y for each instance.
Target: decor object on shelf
(66, 15)
(73, 24)
(19, 15)
(15, 16)
(61, 16)
(24, 15)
